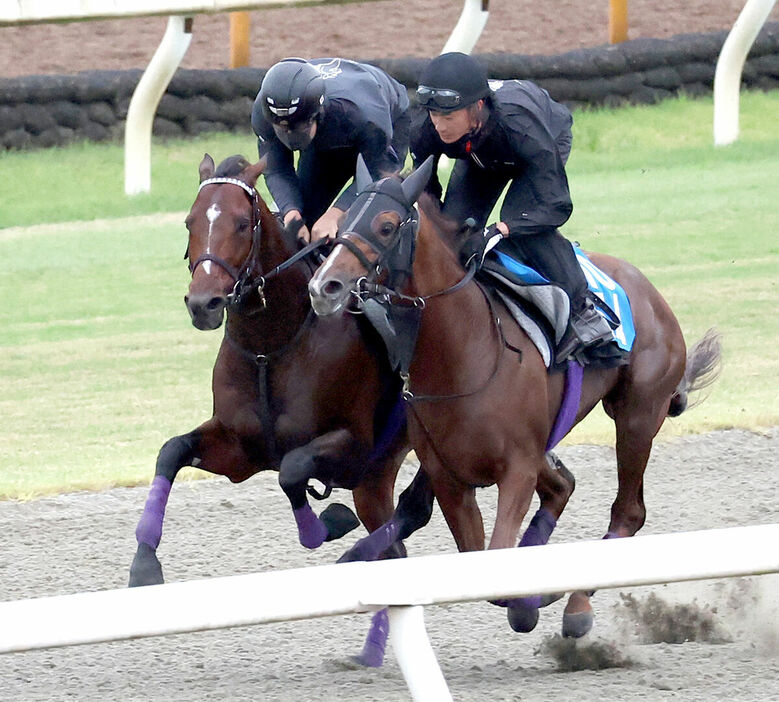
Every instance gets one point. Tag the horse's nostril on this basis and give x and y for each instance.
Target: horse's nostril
(332, 287)
(215, 303)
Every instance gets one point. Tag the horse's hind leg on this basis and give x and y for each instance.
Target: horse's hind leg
(415, 506)
(635, 432)
(175, 453)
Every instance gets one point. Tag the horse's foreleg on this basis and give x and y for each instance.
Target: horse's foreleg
(555, 487)
(415, 506)
(175, 453)
(314, 460)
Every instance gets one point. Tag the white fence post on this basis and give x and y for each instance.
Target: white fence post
(143, 105)
(727, 77)
(415, 655)
(469, 27)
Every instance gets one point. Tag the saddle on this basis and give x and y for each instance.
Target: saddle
(542, 309)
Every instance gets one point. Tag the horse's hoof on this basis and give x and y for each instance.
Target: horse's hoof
(522, 619)
(146, 568)
(339, 520)
(365, 662)
(577, 625)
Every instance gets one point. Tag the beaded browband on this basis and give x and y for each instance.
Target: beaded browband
(231, 181)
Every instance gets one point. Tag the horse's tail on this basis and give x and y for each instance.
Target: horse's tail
(703, 367)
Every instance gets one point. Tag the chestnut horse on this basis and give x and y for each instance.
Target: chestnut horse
(482, 404)
(306, 396)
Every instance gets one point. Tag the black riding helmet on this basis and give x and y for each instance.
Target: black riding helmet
(452, 81)
(291, 97)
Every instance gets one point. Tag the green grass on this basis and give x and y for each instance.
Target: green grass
(101, 365)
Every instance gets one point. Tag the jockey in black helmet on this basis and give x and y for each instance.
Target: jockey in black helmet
(507, 132)
(330, 110)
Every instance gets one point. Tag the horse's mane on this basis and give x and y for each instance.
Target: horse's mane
(450, 231)
(231, 167)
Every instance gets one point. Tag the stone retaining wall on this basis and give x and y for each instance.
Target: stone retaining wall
(43, 111)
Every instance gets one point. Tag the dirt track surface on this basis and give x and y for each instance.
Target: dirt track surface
(82, 542)
(385, 29)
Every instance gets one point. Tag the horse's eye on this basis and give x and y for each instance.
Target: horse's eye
(387, 228)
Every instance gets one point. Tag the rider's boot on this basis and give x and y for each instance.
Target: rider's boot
(587, 328)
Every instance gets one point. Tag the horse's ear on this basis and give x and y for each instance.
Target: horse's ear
(416, 182)
(362, 176)
(250, 174)
(206, 168)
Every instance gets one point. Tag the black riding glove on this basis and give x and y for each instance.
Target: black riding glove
(475, 246)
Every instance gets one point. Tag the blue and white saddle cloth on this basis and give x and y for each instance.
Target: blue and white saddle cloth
(552, 302)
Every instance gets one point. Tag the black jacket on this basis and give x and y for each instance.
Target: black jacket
(526, 140)
(362, 103)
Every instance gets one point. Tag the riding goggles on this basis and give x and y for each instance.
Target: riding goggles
(438, 98)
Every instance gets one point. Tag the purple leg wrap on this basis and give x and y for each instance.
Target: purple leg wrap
(541, 527)
(149, 529)
(377, 542)
(311, 531)
(612, 535)
(376, 642)
(572, 394)
(537, 534)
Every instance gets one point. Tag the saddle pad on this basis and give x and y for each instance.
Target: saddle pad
(608, 291)
(614, 295)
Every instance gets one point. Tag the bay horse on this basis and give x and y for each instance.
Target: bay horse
(310, 397)
(482, 404)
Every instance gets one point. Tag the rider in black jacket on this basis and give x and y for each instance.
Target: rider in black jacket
(330, 110)
(507, 133)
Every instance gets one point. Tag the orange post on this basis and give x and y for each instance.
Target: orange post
(239, 39)
(618, 21)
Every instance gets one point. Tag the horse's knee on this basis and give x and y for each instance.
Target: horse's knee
(296, 468)
(176, 452)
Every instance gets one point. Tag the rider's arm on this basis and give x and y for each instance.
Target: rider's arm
(373, 144)
(538, 198)
(279, 172)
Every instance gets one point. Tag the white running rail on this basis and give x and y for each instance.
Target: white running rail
(405, 585)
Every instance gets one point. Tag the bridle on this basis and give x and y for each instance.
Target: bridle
(241, 275)
(244, 275)
(395, 256)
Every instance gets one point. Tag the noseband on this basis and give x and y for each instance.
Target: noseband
(241, 274)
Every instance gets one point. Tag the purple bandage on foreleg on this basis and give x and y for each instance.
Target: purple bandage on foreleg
(149, 529)
(311, 531)
(537, 534)
(376, 642)
(541, 527)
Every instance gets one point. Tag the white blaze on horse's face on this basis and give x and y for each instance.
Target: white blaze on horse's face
(212, 213)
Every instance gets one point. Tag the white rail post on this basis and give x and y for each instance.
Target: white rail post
(730, 64)
(469, 27)
(143, 105)
(415, 655)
